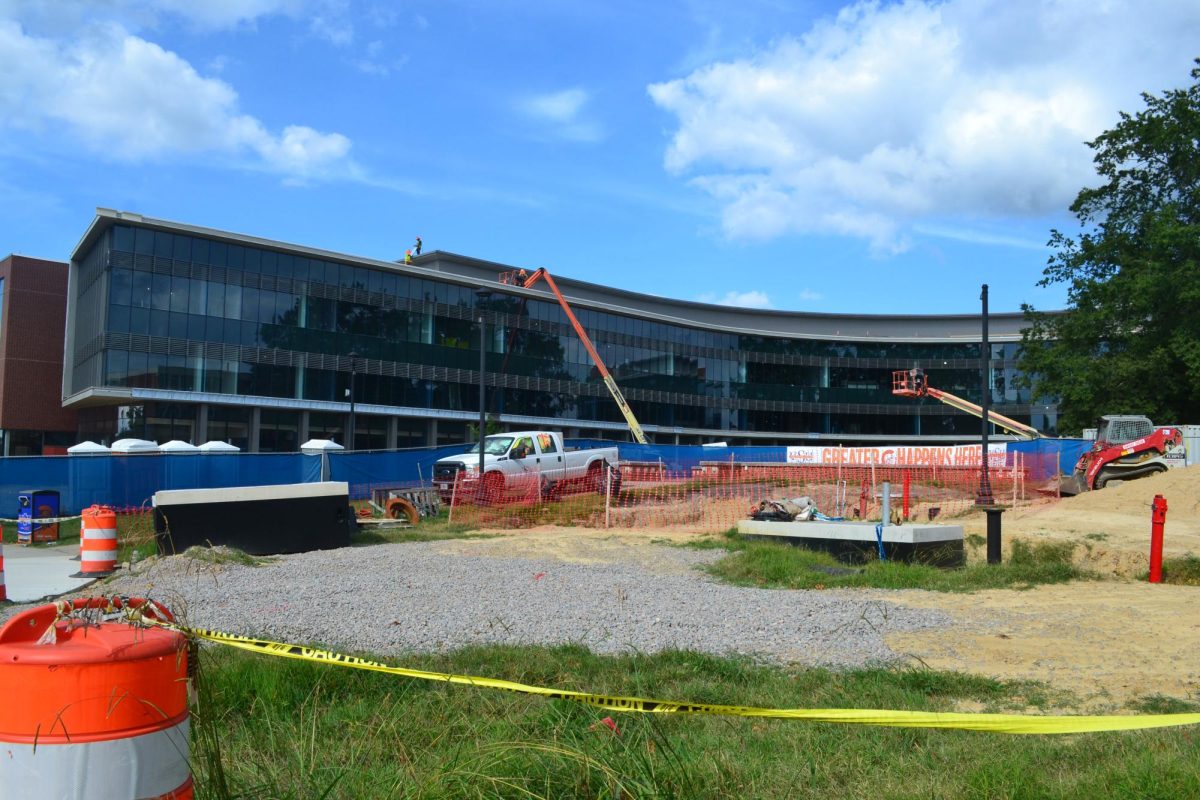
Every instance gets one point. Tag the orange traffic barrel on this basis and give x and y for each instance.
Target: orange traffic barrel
(83, 523)
(97, 543)
(95, 710)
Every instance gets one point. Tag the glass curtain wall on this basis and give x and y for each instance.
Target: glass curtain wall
(192, 313)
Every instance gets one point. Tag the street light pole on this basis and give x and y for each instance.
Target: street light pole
(353, 380)
(986, 500)
(985, 372)
(482, 294)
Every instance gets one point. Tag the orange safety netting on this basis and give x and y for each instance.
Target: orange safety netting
(715, 496)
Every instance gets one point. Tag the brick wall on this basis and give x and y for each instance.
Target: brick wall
(31, 345)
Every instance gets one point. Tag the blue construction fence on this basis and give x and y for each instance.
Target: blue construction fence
(130, 481)
(1041, 464)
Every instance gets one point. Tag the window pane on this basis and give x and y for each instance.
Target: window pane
(160, 297)
(121, 287)
(163, 244)
(123, 238)
(216, 299)
(180, 290)
(144, 242)
(233, 301)
(200, 251)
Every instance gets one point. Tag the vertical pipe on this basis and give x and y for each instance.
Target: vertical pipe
(887, 503)
(607, 492)
(1158, 517)
(993, 535)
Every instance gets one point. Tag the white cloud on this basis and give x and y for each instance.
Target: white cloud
(810, 296)
(561, 114)
(888, 114)
(750, 299)
(131, 99)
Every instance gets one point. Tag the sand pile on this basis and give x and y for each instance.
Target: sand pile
(1180, 487)
(1111, 526)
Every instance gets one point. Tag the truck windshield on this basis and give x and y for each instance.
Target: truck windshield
(493, 445)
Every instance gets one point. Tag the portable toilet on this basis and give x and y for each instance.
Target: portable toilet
(34, 504)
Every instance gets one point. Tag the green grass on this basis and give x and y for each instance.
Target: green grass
(135, 533)
(226, 555)
(783, 566)
(68, 532)
(275, 728)
(1184, 571)
(430, 529)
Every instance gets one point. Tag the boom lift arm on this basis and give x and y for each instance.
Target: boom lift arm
(526, 280)
(912, 383)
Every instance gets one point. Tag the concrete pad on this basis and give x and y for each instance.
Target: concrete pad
(34, 572)
(941, 545)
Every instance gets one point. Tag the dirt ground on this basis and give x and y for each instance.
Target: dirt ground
(1108, 642)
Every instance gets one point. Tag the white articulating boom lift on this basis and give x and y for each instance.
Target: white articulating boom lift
(912, 383)
(526, 280)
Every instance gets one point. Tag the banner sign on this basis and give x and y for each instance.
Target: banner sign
(963, 455)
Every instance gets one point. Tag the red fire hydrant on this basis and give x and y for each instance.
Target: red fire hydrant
(1158, 517)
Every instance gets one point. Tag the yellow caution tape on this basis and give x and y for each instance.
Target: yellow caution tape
(994, 723)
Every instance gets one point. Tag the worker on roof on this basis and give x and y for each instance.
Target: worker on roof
(417, 247)
(408, 256)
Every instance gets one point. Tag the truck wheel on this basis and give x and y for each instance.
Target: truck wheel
(595, 478)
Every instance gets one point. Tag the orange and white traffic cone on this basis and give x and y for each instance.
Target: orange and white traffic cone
(103, 703)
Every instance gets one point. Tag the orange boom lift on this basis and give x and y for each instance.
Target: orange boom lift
(526, 280)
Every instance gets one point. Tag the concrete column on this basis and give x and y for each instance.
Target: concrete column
(255, 428)
(431, 433)
(302, 430)
(392, 429)
(202, 424)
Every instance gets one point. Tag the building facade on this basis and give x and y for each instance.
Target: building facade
(181, 332)
(33, 299)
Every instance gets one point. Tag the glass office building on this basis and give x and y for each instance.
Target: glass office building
(180, 332)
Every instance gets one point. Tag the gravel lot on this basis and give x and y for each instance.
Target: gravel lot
(434, 596)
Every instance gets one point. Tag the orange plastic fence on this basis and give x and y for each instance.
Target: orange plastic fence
(715, 497)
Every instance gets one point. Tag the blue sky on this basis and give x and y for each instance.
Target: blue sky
(814, 156)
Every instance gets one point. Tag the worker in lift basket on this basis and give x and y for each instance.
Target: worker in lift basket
(918, 379)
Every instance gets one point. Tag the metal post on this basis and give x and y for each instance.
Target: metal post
(993, 535)
(608, 471)
(353, 380)
(985, 363)
(481, 295)
(887, 503)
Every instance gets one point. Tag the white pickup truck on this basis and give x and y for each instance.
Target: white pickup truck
(526, 462)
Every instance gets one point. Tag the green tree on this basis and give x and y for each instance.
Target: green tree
(1129, 340)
